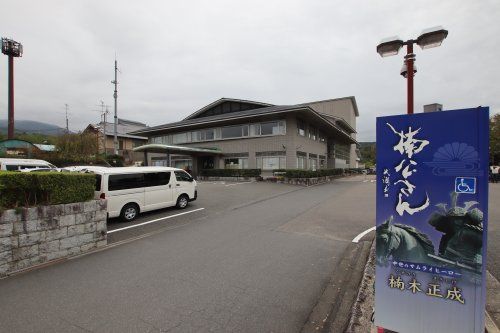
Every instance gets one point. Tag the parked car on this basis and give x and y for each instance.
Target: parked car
(82, 168)
(17, 164)
(133, 190)
(41, 170)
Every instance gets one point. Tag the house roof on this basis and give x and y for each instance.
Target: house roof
(123, 128)
(44, 147)
(340, 120)
(159, 148)
(223, 100)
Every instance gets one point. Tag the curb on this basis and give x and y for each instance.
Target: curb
(361, 320)
(490, 324)
(332, 312)
(492, 318)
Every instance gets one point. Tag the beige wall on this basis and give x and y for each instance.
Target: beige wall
(128, 144)
(342, 108)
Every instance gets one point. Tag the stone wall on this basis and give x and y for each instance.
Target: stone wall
(31, 236)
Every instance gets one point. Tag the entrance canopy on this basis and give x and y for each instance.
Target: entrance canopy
(169, 149)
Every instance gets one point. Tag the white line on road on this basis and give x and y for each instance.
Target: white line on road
(156, 220)
(361, 235)
(238, 183)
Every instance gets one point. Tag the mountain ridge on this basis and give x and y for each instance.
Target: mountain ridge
(32, 126)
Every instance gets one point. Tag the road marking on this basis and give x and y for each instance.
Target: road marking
(361, 235)
(237, 183)
(153, 221)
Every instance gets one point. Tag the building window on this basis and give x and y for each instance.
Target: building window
(227, 132)
(322, 137)
(322, 162)
(272, 128)
(342, 151)
(313, 162)
(208, 134)
(184, 163)
(301, 160)
(254, 129)
(120, 144)
(313, 133)
(196, 136)
(271, 160)
(301, 128)
(234, 131)
(181, 137)
(236, 163)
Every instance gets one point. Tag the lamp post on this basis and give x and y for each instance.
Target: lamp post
(429, 38)
(11, 49)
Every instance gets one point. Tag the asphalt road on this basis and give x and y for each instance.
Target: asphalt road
(241, 264)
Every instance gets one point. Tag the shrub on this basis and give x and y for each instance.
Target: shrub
(44, 188)
(299, 173)
(115, 160)
(230, 172)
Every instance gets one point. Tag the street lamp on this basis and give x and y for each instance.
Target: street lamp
(429, 38)
(12, 49)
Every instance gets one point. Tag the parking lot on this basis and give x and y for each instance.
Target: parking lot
(214, 197)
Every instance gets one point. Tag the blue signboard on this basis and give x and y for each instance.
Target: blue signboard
(432, 221)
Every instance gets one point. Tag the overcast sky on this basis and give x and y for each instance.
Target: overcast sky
(177, 56)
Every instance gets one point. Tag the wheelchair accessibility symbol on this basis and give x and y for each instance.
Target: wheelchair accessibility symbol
(465, 185)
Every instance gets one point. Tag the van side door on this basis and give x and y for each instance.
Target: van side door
(158, 190)
(123, 189)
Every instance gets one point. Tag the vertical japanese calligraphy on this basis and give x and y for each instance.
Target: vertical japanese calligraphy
(408, 146)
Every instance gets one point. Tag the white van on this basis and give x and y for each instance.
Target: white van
(16, 164)
(132, 190)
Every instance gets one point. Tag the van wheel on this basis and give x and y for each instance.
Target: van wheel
(129, 212)
(182, 201)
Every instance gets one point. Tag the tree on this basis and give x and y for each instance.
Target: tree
(495, 139)
(77, 146)
(368, 153)
(37, 138)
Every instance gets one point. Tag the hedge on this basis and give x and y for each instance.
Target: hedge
(24, 189)
(231, 172)
(299, 173)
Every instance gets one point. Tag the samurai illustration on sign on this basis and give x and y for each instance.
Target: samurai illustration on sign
(460, 246)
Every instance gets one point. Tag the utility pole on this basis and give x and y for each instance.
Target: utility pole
(12, 49)
(67, 123)
(115, 96)
(104, 112)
